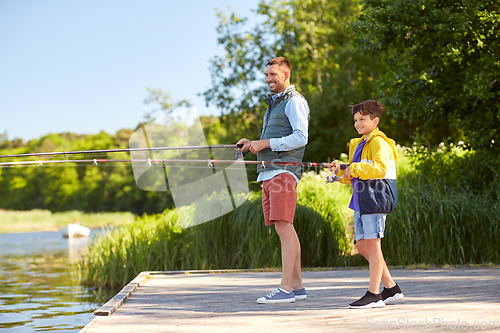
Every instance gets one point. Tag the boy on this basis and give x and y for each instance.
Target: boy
(372, 173)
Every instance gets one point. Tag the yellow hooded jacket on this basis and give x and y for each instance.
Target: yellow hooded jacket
(377, 187)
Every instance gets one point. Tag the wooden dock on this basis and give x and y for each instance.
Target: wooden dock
(436, 300)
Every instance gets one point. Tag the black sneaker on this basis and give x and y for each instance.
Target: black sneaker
(392, 294)
(368, 301)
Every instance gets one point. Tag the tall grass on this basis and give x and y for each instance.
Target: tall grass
(442, 225)
(238, 240)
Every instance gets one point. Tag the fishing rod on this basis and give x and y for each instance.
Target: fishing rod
(210, 162)
(121, 150)
(150, 161)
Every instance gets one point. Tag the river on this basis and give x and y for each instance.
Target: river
(38, 288)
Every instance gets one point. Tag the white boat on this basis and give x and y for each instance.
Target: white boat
(74, 230)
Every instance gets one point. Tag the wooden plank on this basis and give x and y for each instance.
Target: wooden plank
(436, 299)
(114, 303)
(122, 296)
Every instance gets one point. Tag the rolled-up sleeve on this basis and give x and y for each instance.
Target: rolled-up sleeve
(297, 112)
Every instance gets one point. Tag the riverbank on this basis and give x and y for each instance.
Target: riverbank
(44, 220)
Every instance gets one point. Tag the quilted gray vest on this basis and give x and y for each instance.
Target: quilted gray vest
(277, 125)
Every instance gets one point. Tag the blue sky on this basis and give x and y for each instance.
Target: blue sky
(83, 66)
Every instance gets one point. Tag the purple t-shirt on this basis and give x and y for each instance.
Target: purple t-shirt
(354, 205)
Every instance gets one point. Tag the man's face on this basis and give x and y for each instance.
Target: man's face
(277, 78)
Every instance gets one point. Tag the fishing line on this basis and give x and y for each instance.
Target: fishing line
(208, 162)
(163, 152)
(180, 148)
(97, 158)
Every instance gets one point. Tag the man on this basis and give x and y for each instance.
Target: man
(283, 138)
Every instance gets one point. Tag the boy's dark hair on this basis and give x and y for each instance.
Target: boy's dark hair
(280, 61)
(370, 107)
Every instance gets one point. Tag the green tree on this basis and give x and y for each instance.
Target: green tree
(238, 82)
(76, 187)
(443, 60)
(313, 35)
(162, 102)
(107, 187)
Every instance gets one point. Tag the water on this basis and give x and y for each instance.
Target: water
(38, 289)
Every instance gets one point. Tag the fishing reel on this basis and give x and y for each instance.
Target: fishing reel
(334, 178)
(238, 153)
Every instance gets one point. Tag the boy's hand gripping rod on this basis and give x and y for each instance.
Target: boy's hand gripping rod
(334, 178)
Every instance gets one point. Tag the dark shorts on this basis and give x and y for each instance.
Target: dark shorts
(279, 198)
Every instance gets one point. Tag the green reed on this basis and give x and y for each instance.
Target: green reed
(441, 225)
(237, 240)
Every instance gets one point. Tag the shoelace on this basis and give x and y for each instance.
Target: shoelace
(273, 293)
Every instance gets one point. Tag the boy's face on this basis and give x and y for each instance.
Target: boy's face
(364, 124)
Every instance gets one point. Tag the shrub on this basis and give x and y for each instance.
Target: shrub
(441, 225)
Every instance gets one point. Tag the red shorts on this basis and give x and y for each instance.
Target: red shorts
(279, 198)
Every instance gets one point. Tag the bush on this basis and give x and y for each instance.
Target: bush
(454, 165)
(441, 225)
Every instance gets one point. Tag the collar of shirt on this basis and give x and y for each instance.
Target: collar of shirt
(276, 96)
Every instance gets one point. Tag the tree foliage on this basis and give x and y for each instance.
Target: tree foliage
(162, 102)
(313, 35)
(442, 59)
(76, 186)
(238, 81)
(434, 63)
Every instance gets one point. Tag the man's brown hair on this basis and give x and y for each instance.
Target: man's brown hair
(371, 107)
(280, 61)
